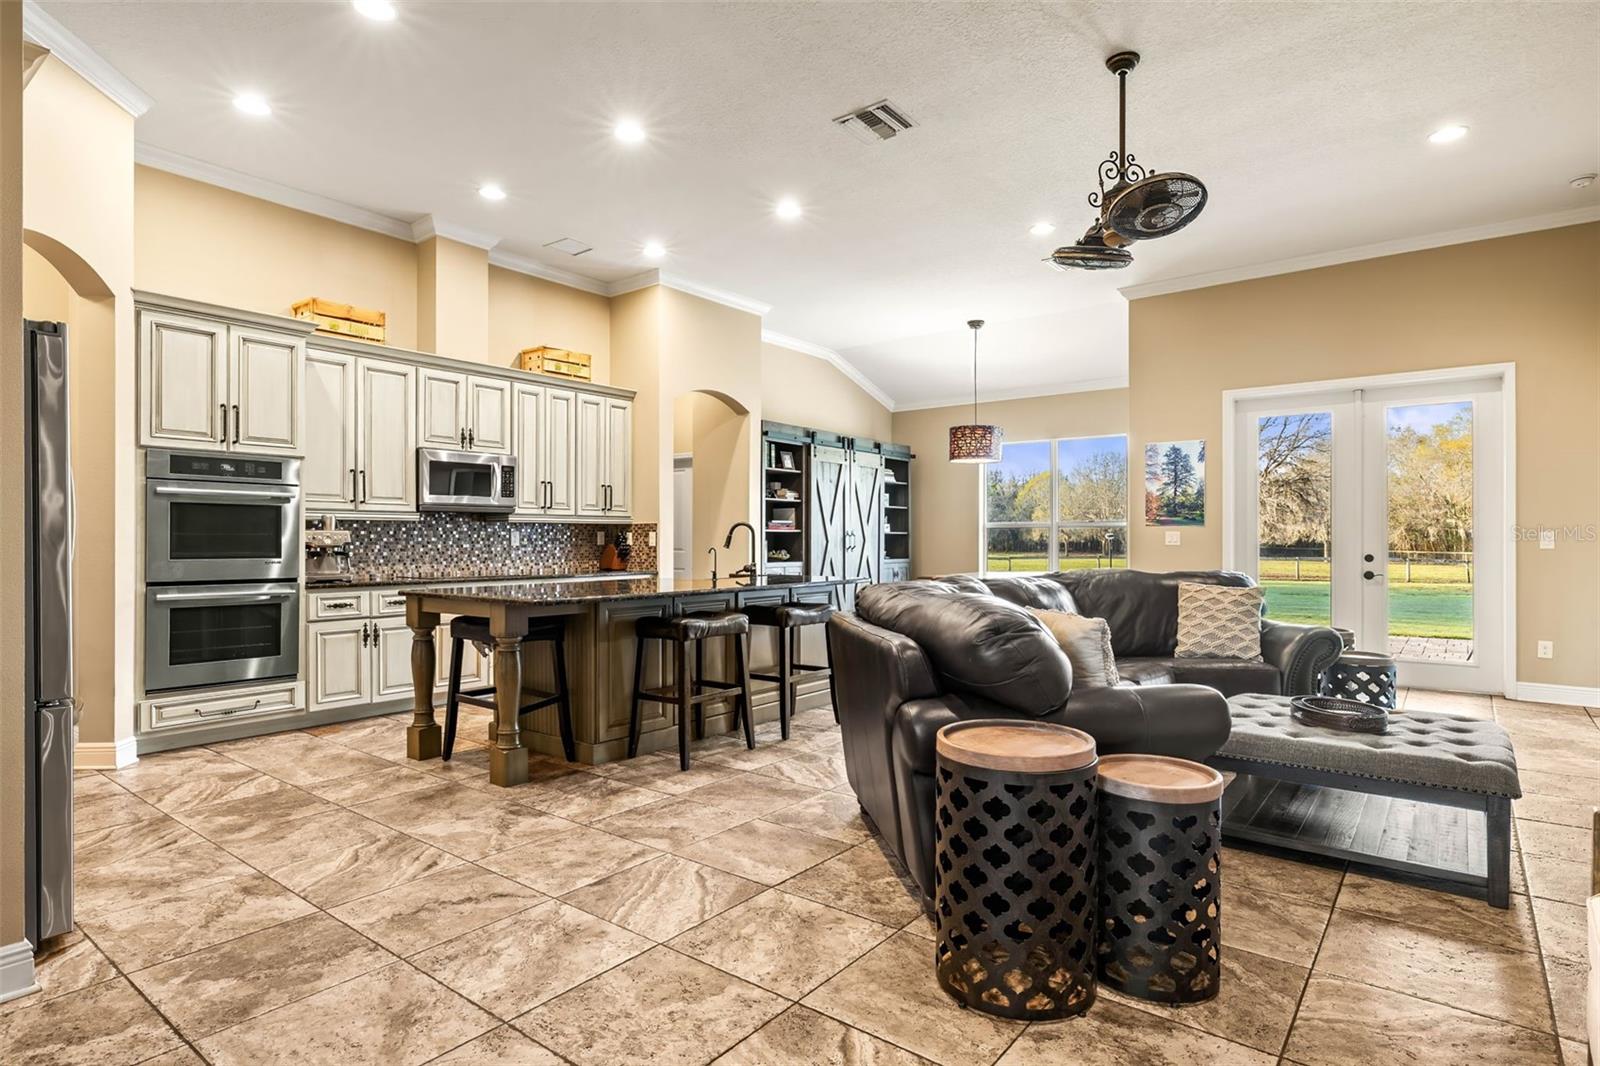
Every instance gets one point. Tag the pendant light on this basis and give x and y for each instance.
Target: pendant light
(975, 443)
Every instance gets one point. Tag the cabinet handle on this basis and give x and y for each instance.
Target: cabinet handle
(338, 605)
(223, 712)
(398, 601)
(352, 484)
(549, 494)
(363, 486)
(472, 438)
(236, 423)
(365, 626)
(463, 440)
(224, 437)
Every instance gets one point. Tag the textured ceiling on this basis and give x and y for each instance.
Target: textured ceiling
(1307, 121)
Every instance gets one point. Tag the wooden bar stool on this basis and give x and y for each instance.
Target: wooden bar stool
(688, 691)
(476, 630)
(788, 619)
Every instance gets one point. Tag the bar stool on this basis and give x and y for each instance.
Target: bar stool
(467, 628)
(788, 619)
(688, 692)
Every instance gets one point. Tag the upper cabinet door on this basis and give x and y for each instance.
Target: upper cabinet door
(329, 473)
(619, 456)
(265, 394)
(441, 409)
(559, 466)
(183, 382)
(387, 445)
(528, 419)
(488, 414)
(590, 459)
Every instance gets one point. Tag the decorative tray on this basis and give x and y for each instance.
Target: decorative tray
(1331, 712)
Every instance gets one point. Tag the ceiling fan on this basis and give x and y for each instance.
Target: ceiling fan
(1140, 205)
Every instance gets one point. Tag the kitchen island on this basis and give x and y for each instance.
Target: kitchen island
(600, 650)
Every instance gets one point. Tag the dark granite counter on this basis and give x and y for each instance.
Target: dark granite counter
(654, 586)
(364, 581)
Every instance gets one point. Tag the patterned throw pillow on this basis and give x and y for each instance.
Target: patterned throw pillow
(1218, 622)
(1087, 643)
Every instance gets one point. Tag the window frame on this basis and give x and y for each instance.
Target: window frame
(1053, 528)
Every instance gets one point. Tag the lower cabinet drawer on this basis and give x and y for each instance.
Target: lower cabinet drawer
(387, 602)
(216, 706)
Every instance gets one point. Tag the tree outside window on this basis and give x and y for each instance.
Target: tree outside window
(1059, 504)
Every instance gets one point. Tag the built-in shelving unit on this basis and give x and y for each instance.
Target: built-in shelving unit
(896, 513)
(785, 461)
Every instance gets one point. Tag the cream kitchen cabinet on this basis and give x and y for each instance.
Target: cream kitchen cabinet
(340, 658)
(360, 420)
(356, 661)
(208, 385)
(544, 424)
(604, 456)
(468, 412)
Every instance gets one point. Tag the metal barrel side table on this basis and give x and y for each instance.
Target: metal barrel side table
(1160, 878)
(1363, 676)
(1014, 867)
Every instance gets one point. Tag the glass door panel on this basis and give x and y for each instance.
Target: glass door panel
(1294, 515)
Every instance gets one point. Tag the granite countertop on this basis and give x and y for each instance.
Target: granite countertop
(653, 586)
(368, 581)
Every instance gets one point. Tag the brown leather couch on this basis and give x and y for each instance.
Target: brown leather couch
(916, 656)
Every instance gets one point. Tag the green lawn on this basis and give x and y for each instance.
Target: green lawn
(1318, 569)
(1005, 562)
(1415, 610)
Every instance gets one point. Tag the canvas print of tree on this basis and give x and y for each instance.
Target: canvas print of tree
(1175, 483)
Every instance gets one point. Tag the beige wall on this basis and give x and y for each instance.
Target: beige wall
(1531, 299)
(636, 364)
(806, 391)
(527, 312)
(706, 428)
(944, 495)
(453, 300)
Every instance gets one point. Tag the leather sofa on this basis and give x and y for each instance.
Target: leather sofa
(916, 656)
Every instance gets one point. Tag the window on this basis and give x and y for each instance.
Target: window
(1056, 505)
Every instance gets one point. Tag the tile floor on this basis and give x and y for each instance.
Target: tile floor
(312, 897)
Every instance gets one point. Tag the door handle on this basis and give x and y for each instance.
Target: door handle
(1368, 574)
(236, 423)
(224, 408)
(352, 484)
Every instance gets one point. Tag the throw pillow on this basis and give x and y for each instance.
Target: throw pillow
(1218, 622)
(1087, 643)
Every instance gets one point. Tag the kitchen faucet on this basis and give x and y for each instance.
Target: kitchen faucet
(748, 569)
(712, 551)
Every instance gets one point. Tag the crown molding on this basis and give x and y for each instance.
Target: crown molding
(1400, 246)
(65, 45)
(834, 359)
(1030, 392)
(428, 227)
(535, 269)
(688, 285)
(263, 189)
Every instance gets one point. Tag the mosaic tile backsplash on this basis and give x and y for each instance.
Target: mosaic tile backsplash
(443, 545)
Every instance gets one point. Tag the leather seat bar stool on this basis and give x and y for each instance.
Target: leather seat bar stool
(468, 628)
(690, 691)
(788, 619)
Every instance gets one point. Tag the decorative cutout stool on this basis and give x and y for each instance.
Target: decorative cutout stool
(1160, 878)
(1014, 861)
(1365, 676)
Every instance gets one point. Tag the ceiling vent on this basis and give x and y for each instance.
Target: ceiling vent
(569, 246)
(876, 122)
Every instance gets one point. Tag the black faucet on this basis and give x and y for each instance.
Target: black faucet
(748, 569)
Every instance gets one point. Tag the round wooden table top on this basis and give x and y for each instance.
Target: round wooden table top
(1017, 746)
(1159, 779)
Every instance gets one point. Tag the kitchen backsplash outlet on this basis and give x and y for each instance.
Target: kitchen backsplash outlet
(447, 545)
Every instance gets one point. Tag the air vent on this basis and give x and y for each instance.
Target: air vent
(876, 122)
(569, 245)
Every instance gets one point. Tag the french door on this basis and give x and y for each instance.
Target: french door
(1382, 510)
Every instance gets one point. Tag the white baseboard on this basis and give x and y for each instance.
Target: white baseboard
(100, 755)
(1573, 695)
(16, 970)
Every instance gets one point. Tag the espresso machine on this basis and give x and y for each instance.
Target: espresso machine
(327, 549)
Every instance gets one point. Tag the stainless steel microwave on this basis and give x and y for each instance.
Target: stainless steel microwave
(466, 481)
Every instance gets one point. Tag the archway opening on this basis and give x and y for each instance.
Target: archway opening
(711, 446)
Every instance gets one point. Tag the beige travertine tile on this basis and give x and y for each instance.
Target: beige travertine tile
(180, 1056)
(192, 777)
(1557, 879)
(462, 821)
(1254, 1005)
(1287, 928)
(1445, 912)
(104, 811)
(380, 861)
(1257, 871)
(763, 851)
(278, 844)
(504, 1046)
(1569, 985)
(1466, 704)
(661, 1007)
(660, 773)
(102, 847)
(394, 1016)
(102, 890)
(813, 769)
(1568, 786)
(662, 897)
(766, 752)
(1115, 1034)
(108, 1024)
(1443, 967)
(1347, 1023)
(1563, 929)
(519, 962)
(191, 919)
(862, 881)
(1558, 841)
(891, 992)
(1574, 1053)
(829, 815)
(438, 907)
(1562, 810)
(568, 859)
(252, 817)
(64, 964)
(802, 1035)
(378, 784)
(751, 795)
(226, 984)
(786, 944)
(589, 798)
(300, 759)
(671, 823)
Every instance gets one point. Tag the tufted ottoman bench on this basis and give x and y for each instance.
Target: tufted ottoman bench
(1334, 790)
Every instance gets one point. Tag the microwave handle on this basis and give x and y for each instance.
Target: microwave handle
(238, 494)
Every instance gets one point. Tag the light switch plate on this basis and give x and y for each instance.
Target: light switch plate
(652, 539)
(600, 537)
(1174, 538)
(1547, 539)
(1547, 649)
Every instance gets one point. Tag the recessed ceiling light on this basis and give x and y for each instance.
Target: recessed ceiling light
(1583, 181)
(654, 250)
(1447, 134)
(491, 191)
(788, 209)
(1042, 229)
(628, 131)
(376, 10)
(252, 104)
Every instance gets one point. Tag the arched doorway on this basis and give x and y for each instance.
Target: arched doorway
(712, 437)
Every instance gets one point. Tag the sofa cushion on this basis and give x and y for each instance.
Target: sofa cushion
(1231, 677)
(1087, 642)
(1217, 622)
(1141, 607)
(977, 645)
(1145, 671)
(1032, 590)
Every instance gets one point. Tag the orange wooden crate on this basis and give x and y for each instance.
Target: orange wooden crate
(344, 319)
(557, 361)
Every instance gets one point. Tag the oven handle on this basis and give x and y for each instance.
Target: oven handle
(243, 494)
(243, 596)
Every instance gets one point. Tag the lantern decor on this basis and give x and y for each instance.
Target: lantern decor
(975, 443)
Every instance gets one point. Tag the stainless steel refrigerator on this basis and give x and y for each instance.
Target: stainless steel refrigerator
(51, 707)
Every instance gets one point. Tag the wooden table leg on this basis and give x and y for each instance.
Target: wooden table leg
(423, 740)
(508, 759)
